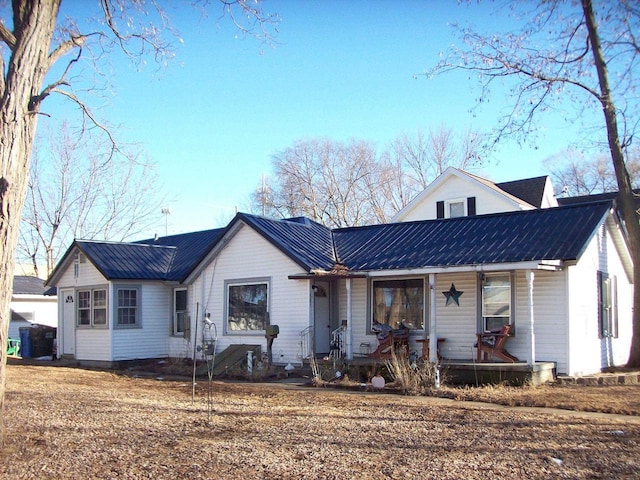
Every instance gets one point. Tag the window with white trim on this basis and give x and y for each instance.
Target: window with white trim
(496, 301)
(92, 308)
(180, 311)
(455, 208)
(398, 303)
(247, 306)
(127, 307)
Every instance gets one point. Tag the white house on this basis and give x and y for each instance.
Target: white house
(31, 304)
(466, 256)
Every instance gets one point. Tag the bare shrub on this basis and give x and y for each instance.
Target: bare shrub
(413, 378)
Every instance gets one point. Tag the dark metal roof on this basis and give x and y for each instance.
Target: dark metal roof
(129, 261)
(168, 258)
(26, 285)
(306, 242)
(531, 190)
(532, 235)
(190, 250)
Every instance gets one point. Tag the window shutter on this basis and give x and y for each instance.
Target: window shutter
(600, 312)
(439, 209)
(471, 206)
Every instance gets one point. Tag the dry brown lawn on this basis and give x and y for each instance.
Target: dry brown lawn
(71, 423)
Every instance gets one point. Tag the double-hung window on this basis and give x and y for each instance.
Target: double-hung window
(128, 307)
(496, 301)
(180, 311)
(92, 307)
(398, 303)
(607, 306)
(247, 305)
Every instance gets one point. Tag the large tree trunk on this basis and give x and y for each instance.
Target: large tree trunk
(626, 199)
(33, 22)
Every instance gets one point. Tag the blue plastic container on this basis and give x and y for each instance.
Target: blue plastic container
(25, 342)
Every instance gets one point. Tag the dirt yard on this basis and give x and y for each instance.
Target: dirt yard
(66, 423)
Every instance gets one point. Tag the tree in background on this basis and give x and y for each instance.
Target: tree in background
(575, 174)
(44, 51)
(582, 55)
(78, 189)
(342, 184)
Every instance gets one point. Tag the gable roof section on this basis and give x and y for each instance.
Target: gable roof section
(531, 190)
(306, 242)
(454, 172)
(190, 249)
(560, 233)
(168, 258)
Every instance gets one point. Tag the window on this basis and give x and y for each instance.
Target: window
(127, 307)
(607, 306)
(92, 307)
(496, 301)
(180, 311)
(455, 208)
(247, 306)
(22, 316)
(399, 302)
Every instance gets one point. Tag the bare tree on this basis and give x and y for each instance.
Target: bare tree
(75, 191)
(573, 172)
(585, 54)
(349, 183)
(39, 50)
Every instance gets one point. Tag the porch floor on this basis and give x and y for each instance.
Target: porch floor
(470, 372)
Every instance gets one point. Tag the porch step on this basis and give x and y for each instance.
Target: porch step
(229, 358)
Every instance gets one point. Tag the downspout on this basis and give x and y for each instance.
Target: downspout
(349, 323)
(531, 350)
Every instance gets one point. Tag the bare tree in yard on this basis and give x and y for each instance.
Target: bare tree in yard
(75, 191)
(585, 53)
(39, 48)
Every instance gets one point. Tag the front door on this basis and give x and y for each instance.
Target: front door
(68, 322)
(322, 317)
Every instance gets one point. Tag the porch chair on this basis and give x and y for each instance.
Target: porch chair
(13, 347)
(389, 339)
(492, 344)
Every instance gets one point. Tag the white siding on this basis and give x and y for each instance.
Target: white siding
(152, 339)
(249, 256)
(549, 318)
(457, 324)
(44, 310)
(588, 353)
(93, 344)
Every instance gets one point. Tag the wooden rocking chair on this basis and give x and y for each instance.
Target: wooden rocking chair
(492, 344)
(389, 340)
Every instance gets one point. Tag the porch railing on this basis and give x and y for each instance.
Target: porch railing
(305, 345)
(338, 343)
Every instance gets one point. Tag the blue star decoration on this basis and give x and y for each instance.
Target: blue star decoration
(452, 296)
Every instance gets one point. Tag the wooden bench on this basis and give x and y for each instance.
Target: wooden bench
(396, 340)
(492, 344)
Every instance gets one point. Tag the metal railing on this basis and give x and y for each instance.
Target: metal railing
(305, 345)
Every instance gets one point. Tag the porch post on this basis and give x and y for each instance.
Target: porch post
(531, 350)
(349, 332)
(433, 335)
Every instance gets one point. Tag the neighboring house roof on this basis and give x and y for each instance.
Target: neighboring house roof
(550, 234)
(531, 190)
(27, 285)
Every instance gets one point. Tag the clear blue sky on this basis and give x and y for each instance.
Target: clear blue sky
(342, 69)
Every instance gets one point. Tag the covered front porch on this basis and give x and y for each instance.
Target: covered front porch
(451, 324)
